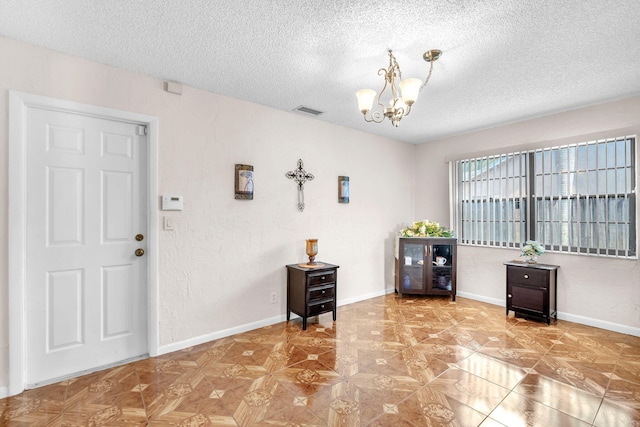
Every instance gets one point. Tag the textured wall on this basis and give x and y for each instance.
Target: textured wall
(600, 291)
(218, 269)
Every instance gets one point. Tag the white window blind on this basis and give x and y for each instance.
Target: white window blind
(492, 200)
(577, 198)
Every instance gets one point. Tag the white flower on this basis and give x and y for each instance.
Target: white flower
(532, 248)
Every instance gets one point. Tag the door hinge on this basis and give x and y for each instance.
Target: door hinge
(142, 130)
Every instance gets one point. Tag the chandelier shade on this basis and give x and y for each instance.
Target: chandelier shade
(400, 101)
(365, 99)
(410, 88)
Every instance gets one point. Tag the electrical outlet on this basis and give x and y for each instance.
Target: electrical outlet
(274, 297)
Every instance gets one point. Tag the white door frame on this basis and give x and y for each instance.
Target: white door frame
(18, 104)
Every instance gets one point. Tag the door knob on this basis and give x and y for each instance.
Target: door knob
(139, 237)
(139, 252)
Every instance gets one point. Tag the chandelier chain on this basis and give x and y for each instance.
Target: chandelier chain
(428, 76)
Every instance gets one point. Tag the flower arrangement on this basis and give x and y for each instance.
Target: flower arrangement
(532, 249)
(426, 228)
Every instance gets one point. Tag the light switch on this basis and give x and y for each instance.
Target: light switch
(169, 223)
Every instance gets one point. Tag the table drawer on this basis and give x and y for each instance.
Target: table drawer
(321, 292)
(319, 277)
(527, 276)
(321, 307)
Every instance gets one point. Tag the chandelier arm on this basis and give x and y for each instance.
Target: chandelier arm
(376, 117)
(384, 87)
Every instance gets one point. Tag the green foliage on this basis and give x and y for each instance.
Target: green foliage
(426, 228)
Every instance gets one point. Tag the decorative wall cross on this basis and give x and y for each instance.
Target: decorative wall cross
(300, 176)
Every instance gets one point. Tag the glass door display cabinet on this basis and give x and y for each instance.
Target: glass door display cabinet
(426, 266)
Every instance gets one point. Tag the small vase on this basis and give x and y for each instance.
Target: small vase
(532, 259)
(312, 250)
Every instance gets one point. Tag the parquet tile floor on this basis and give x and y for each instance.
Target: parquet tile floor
(409, 362)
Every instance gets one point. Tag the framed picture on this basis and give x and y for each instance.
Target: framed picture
(343, 189)
(244, 182)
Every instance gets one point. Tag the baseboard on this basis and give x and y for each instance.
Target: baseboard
(4, 392)
(365, 297)
(181, 345)
(281, 318)
(602, 324)
(482, 298)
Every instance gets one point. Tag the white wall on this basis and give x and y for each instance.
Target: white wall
(218, 268)
(603, 292)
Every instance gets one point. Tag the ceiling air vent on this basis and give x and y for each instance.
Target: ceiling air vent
(306, 110)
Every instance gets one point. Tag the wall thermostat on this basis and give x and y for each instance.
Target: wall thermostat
(172, 203)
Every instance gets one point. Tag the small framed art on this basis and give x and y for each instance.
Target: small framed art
(244, 182)
(343, 189)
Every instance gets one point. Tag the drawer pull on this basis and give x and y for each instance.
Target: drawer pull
(324, 292)
(322, 277)
(322, 306)
(509, 295)
(526, 276)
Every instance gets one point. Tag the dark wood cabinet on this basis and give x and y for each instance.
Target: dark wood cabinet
(426, 266)
(531, 290)
(311, 291)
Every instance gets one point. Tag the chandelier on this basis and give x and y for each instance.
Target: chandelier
(401, 100)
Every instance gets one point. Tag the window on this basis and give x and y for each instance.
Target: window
(577, 198)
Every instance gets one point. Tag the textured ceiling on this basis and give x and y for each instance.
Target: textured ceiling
(503, 61)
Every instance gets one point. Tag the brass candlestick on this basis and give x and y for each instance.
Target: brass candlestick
(312, 250)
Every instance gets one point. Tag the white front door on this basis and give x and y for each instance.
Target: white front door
(85, 286)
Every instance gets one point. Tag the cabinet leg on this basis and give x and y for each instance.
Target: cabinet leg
(507, 311)
(304, 323)
(334, 315)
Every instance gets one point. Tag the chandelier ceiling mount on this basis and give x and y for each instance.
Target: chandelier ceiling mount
(432, 55)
